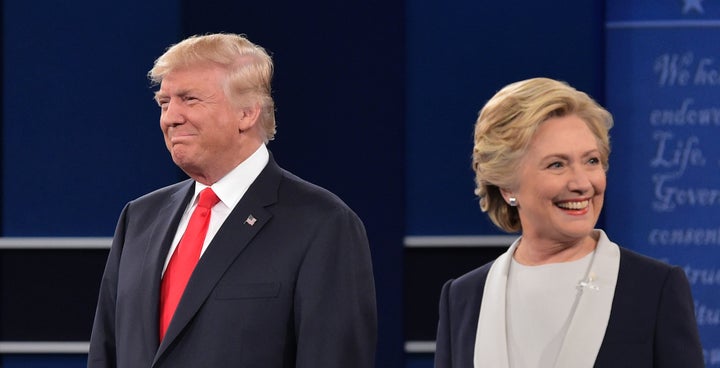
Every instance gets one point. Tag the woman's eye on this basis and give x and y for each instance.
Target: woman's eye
(555, 165)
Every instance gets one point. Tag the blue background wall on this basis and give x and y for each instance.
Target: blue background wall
(375, 100)
(80, 133)
(458, 55)
(665, 79)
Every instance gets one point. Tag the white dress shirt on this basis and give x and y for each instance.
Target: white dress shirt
(230, 189)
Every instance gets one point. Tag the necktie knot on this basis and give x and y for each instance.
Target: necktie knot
(208, 198)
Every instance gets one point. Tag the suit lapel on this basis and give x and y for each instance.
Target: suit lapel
(589, 322)
(491, 337)
(159, 241)
(587, 329)
(247, 219)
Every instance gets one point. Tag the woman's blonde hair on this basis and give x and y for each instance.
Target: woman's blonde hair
(249, 69)
(507, 123)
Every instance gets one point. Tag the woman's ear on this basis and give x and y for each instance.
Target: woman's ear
(506, 193)
(509, 196)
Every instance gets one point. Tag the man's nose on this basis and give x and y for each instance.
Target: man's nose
(172, 114)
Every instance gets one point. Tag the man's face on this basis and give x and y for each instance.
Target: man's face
(198, 121)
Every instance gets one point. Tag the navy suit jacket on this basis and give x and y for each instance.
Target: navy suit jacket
(293, 289)
(652, 321)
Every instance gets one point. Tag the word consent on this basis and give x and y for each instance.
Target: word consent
(685, 237)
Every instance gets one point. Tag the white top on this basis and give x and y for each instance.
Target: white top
(230, 189)
(586, 329)
(540, 305)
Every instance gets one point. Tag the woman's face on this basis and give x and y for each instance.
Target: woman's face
(561, 182)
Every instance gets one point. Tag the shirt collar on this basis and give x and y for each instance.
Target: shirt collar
(231, 188)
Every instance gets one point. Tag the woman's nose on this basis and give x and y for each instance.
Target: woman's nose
(579, 180)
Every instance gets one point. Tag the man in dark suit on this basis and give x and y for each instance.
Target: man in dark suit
(284, 277)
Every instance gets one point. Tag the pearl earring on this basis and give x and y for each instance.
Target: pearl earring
(512, 201)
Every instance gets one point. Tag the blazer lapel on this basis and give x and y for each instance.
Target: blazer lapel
(491, 336)
(158, 245)
(247, 218)
(587, 328)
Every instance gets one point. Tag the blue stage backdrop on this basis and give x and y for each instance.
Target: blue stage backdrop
(663, 87)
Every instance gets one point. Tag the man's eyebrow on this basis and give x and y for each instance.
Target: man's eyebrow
(181, 93)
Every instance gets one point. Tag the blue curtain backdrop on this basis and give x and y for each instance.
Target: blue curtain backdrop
(80, 131)
(663, 87)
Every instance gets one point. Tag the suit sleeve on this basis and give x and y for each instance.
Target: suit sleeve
(443, 356)
(102, 352)
(335, 310)
(677, 342)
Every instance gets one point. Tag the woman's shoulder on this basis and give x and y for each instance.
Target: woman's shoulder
(640, 271)
(634, 259)
(474, 278)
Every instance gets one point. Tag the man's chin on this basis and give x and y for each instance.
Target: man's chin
(184, 161)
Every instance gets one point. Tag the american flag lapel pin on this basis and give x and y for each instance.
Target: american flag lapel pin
(250, 220)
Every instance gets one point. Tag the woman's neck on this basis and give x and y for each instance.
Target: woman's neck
(534, 251)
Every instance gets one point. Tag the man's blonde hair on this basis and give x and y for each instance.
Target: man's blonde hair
(249, 69)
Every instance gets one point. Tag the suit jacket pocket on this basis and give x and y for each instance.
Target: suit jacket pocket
(261, 290)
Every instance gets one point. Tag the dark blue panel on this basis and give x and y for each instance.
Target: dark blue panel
(457, 57)
(49, 295)
(43, 361)
(339, 92)
(654, 10)
(419, 361)
(80, 130)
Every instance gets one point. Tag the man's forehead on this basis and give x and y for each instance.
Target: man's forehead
(185, 87)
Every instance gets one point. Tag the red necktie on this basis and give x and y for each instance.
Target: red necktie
(185, 258)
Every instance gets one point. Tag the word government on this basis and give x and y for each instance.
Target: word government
(668, 198)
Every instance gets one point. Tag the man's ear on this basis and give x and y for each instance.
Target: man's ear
(249, 116)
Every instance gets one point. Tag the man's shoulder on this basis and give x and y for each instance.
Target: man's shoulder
(297, 190)
(164, 193)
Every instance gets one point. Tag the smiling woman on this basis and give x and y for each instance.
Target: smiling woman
(559, 192)
(540, 157)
